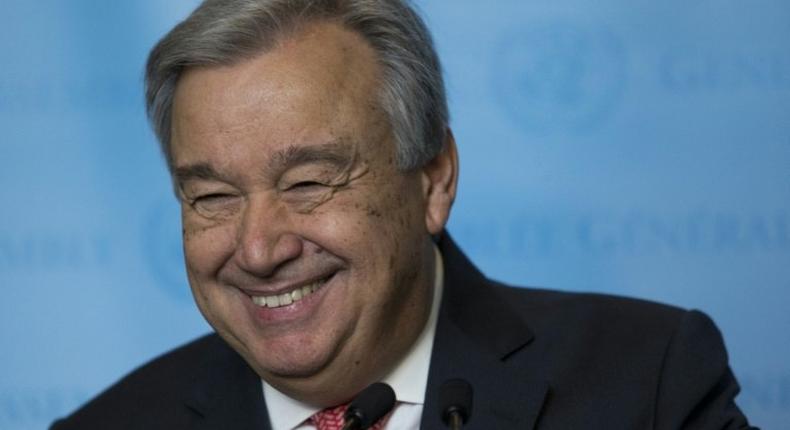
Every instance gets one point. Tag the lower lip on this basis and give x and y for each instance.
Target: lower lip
(295, 311)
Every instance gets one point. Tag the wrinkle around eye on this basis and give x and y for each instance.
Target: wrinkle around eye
(309, 194)
(216, 205)
(307, 198)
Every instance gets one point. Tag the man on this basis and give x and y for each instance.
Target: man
(310, 148)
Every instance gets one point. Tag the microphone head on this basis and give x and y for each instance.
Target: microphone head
(371, 404)
(455, 396)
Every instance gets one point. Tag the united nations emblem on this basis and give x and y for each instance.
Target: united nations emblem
(560, 76)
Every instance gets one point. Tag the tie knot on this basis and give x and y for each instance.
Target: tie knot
(330, 418)
(333, 419)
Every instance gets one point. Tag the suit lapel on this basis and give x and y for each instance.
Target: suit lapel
(480, 339)
(227, 393)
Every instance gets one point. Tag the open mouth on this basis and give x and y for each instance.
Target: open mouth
(289, 297)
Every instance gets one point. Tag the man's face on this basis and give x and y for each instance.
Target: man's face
(306, 248)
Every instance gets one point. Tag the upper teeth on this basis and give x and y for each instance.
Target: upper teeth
(286, 299)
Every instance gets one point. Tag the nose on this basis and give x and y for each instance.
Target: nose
(265, 240)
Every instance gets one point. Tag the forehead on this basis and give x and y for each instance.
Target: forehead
(323, 79)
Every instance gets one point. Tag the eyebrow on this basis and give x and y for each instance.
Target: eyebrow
(195, 171)
(336, 153)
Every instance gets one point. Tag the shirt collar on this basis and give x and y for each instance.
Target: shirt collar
(409, 378)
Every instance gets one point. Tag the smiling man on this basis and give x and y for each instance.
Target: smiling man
(310, 148)
(304, 240)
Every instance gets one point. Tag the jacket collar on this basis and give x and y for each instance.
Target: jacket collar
(480, 338)
(226, 392)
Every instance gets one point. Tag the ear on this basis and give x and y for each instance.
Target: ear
(439, 182)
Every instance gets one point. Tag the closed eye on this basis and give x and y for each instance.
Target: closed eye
(306, 185)
(217, 197)
(216, 204)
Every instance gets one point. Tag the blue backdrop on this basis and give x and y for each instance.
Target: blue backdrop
(623, 146)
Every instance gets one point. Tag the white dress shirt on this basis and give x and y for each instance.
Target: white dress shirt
(408, 379)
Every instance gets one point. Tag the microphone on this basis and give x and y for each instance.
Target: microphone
(369, 406)
(455, 401)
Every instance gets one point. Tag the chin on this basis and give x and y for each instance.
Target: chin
(292, 361)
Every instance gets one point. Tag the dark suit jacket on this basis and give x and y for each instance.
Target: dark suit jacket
(536, 359)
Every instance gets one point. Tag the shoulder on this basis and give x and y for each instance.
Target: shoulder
(169, 372)
(607, 327)
(154, 387)
(630, 352)
(543, 307)
(572, 315)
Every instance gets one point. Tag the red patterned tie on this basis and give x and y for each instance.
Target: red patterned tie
(332, 419)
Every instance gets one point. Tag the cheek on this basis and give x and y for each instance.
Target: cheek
(401, 211)
(206, 248)
(371, 226)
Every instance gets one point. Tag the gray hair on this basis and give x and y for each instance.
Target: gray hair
(225, 32)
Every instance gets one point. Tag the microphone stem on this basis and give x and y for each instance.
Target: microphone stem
(455, 421)
(351, 424)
